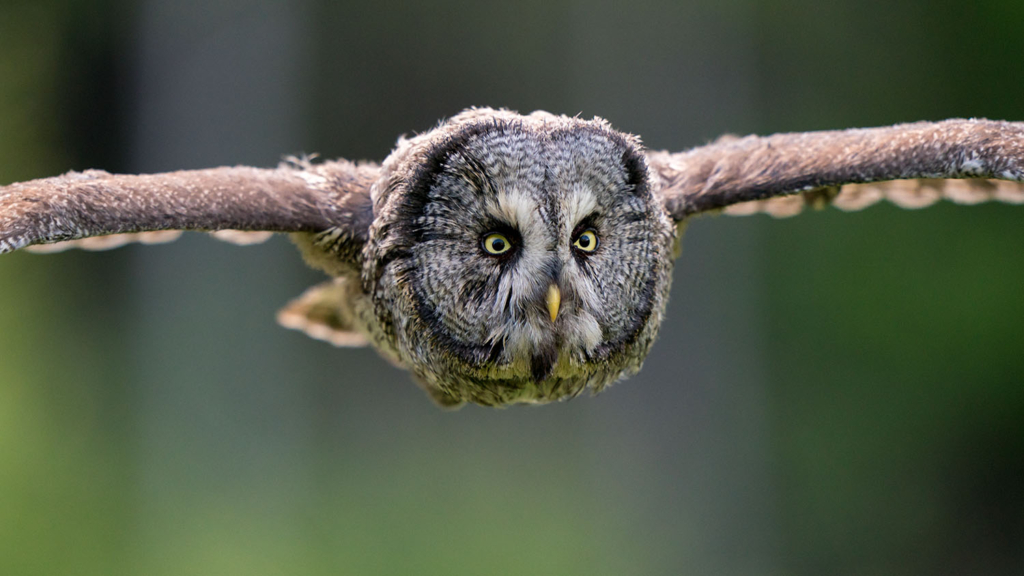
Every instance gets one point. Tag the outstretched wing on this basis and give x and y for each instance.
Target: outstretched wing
(296, 197)
(910, 164)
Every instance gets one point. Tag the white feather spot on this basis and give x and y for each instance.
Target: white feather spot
(578, 204)
(973, 165)
(313, 179)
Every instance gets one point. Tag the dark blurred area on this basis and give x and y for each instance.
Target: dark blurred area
(831, 394)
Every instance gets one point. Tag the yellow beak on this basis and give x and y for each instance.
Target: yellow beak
(554, 300)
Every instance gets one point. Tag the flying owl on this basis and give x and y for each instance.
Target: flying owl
(504, 258)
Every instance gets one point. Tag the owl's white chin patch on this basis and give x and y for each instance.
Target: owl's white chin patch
(526, 337)
(580, 332)
(576, 335)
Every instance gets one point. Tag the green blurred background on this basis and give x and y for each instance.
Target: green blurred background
(831, 394)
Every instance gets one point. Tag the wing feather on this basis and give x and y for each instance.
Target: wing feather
(911, 165)
(325, 312)
(96, 210)
(108, 242)
(911, 194)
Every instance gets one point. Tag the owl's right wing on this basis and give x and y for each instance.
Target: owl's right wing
(912, 165)
(97, 210)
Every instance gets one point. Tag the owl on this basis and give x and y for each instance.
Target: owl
(505, 258)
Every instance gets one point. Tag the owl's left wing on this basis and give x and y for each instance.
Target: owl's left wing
(100, 210)
(912, 165)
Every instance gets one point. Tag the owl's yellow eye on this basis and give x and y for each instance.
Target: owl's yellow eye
(496, 244)
(586, 241)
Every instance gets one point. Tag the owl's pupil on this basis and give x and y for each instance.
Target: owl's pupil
(584, 241)
(497, 244)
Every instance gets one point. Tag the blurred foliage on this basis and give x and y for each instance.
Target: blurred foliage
(62, 473)
(898, 396)
(890, 339)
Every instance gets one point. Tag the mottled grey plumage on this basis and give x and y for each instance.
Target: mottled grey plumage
(574, 292)
(474, 327)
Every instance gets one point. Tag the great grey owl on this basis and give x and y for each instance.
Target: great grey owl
(504, 258)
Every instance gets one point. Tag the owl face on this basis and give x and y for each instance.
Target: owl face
(529, 258)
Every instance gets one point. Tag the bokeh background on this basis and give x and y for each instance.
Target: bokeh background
(831, 394)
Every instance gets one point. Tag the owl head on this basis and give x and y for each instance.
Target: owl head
(518, 258)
